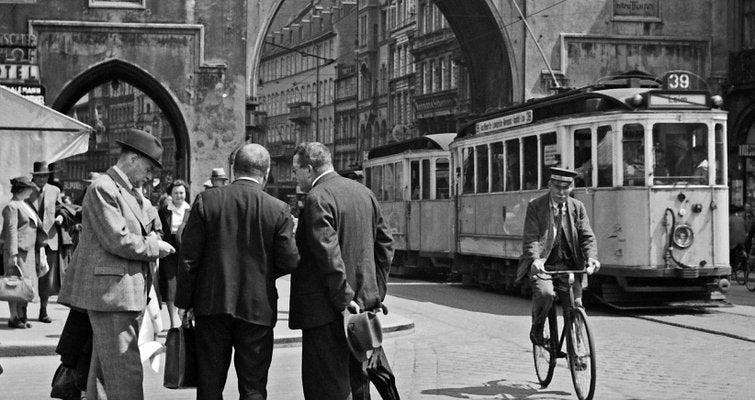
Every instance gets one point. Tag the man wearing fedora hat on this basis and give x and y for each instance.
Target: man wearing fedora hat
(45, 200)
(557, 236)
(218, 178)
(346, 251)
(109, 275)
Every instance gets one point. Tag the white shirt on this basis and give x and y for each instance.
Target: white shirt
(177, 215)
(123, 175)
(320, 176)
(249, 178)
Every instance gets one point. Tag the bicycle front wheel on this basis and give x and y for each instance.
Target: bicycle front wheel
(545, 355)
(750, 279)
(738, 275)
(581, 354)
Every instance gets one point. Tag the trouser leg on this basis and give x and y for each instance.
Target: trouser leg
(214, 346)
(542, 300)
(325, 363)
(253, 353)
(115, 357)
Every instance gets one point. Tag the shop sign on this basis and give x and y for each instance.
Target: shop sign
(19, 72)
(35, 93)
(17, 48)
(635, 8)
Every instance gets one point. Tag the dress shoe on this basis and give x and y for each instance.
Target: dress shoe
(16, 323)
(45, 318)
(536, 336)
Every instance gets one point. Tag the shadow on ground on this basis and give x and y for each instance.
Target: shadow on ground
(500, 389)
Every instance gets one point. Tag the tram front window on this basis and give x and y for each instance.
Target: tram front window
(680, 154)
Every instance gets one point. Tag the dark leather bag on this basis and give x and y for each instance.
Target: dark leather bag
(180, 358)
(64, 384)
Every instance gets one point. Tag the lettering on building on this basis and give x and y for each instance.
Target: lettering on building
(636, 8)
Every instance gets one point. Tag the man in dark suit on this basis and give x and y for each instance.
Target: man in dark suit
(44, 200)
(237, 241)
(109, 275)
(557, 236)
(346, 252)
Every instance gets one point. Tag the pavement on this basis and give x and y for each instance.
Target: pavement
(41, 339)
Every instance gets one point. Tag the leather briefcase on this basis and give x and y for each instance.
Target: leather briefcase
(180, 358)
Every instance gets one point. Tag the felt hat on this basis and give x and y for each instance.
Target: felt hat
(363, 333)
(143, 143)
(562, 175)
(218, 173)
(21, 182)
(41, 168)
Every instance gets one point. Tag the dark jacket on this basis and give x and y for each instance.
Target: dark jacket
(346, 252)
(237, 241)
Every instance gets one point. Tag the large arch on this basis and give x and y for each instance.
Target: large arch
(116, 69)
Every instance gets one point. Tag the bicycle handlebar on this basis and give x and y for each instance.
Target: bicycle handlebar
(566, 271)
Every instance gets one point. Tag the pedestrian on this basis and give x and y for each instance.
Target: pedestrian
(20, 224)
(172, 215)
(346, 251)
(557, 236)
(218, 178)
(109, 275)
(207, 184)
(237, 242)
(45, 201)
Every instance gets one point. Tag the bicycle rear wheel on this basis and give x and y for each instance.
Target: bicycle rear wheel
(545, 355)
(738, 274)
(581, 354)
(750, 279)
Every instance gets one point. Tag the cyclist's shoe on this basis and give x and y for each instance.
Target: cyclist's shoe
(536, 336)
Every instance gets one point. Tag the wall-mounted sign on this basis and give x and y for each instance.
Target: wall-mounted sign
(507, 121)
(19, 72)
(117, 3)
(636, 9)
(35, 93)
(17, 48)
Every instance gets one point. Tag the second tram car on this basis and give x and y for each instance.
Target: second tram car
(651, 157)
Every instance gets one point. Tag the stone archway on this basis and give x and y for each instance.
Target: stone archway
(123, 71)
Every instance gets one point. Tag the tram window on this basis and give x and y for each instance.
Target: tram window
(583, 157)
(482, 168)
(634, 155)
(680, 153)
(605, 156)
(468, 163)
(720, 154)
(388, 182)
(415, 180)
(496, 165)
(377, 182)
(513, 177)
(548, 150)
(399, 187)
(442, 183)
(530, 162)
(425, 179)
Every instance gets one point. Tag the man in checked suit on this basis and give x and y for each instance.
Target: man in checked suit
(346, 252)
(557, 236)
(109, 275)
(44, 201)
(237, 242)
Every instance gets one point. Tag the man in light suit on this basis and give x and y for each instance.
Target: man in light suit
(557, 236)
(109, 275)
(45, 200)
(346, 251)
(237, 242)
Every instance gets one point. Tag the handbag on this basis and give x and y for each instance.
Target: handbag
(16, 288)
(64, 384)
(180, 358)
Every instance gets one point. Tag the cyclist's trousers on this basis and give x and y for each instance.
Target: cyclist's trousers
(543, 294)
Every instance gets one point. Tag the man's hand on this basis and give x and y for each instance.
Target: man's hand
(353, 307)
(593, 266)
(537, 266)
(187, 316)
(59, 220)
(165, 248)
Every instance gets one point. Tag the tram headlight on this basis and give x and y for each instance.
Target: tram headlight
(683, 236)
(636, 100)
(717, 101)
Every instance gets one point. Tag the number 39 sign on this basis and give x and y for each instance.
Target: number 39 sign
(683, 80)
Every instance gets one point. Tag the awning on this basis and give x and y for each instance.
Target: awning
(32, 132)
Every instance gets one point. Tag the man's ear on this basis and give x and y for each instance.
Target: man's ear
(267, 173)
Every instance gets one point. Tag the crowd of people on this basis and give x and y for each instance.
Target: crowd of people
(213, 262)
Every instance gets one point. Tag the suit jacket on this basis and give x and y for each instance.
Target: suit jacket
(539, 233)
(166, 218)
(237, 241)
(45, 202)
(346, 252)
(109, 269)
(19, 229)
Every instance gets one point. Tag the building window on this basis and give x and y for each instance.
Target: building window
(748, 24)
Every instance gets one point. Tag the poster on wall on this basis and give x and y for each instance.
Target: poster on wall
(635, 9)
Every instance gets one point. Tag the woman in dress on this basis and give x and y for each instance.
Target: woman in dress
(20, 223)
(173, 216)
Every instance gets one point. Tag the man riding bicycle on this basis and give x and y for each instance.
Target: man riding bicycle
(557, 236)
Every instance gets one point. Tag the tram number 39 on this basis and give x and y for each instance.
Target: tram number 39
(678, 81)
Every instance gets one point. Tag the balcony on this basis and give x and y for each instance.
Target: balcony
(284, 149)
(423, 42)
(435, 104)
(300, 112)
(256, 120)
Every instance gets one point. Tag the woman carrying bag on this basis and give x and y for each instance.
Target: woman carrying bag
(173, 216)
(20, 223)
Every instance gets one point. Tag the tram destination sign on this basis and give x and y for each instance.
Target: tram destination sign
(507, 121)
(677, 100)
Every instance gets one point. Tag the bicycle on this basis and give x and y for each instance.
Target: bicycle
(580, 346)
(750, 277)
(739, 266)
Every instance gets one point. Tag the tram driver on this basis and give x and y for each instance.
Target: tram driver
(557, 236)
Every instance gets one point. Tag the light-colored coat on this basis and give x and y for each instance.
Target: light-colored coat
(50, 196)
(539, 233)
(109, 268)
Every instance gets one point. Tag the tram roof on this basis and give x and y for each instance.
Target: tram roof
(437, 141)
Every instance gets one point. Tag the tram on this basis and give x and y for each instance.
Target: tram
(651, 157)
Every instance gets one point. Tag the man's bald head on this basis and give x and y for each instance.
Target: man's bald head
(252, 160)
